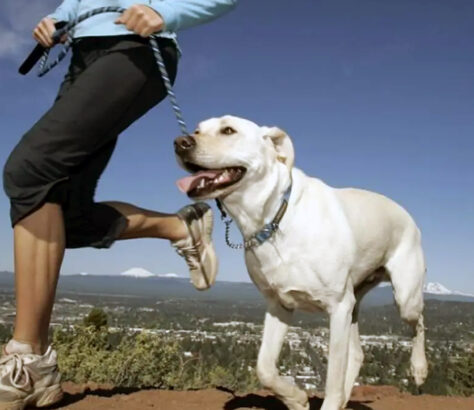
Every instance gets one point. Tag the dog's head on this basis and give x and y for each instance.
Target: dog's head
(227, 152)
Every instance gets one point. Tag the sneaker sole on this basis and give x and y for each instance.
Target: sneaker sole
(41, 398)
(49, 396)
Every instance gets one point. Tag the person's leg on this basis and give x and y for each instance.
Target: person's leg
(52, 154)
(145, 223)
(39, 245)
(39, 248)
(73, 139)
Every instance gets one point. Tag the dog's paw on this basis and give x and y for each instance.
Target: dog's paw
(331, 405)
(299, 402)
(297, 406)
(419, 371)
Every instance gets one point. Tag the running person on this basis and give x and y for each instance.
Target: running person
(52, 173)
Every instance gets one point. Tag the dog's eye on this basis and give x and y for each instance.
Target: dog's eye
(196, 132)
(228, 131)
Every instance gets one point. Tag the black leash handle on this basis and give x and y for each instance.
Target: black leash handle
(37, 53)
(62, 27)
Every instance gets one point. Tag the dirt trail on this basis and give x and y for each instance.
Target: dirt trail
(103, 397)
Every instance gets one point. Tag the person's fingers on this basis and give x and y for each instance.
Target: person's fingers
(141, 20)
(133, 22)
(39, 36)
(42, 33)
(36, 36)
(47, 28)
(141, 26)
(61, 40)
(123, 18)
(144, 26)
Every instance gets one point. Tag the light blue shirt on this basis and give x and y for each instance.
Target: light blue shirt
(176, 14)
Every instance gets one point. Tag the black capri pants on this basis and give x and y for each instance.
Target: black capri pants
(111, 82)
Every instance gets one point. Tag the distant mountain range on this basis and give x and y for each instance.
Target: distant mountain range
(138, 282)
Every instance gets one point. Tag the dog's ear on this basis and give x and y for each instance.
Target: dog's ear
(282, 144)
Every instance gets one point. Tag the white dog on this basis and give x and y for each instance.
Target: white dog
(331, 246)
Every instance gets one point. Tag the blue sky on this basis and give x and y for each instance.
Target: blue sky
(375, 94)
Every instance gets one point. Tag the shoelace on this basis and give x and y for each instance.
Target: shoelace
(190, 255)
(17, 371)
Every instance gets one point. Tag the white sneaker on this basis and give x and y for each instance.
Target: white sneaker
(198, 249)
(27, 378)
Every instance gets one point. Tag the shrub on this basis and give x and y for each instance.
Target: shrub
(97, 318)
(143, 360)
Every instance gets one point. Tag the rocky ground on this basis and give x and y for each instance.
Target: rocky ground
(100, 397)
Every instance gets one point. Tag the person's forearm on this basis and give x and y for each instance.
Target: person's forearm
(181, 14)
(66, 11)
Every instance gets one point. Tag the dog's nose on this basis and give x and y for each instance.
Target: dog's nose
(184, 144)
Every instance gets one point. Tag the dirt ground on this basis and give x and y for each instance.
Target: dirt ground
(100, 397)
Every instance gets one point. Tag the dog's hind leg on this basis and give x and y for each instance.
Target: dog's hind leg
(407, 273)
(277, 320)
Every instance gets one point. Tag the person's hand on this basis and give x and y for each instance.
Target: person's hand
(141, 19)
(43, 32)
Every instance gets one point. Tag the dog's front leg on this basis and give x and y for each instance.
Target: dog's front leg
(277, 320)
(340, 323)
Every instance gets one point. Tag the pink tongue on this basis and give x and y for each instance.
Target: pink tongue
(186, 184)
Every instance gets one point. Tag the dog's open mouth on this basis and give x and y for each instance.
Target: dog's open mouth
(205, 181)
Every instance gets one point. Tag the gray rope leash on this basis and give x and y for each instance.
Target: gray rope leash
(45, 67)
(169, 87)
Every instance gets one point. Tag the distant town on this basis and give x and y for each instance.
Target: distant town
(229, 319)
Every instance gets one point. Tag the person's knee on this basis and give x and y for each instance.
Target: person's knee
(24, 177)
(13, 174)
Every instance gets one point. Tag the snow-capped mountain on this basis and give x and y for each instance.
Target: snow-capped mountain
(436, 288)
(169, 275)
(138, 273)
(143, 273)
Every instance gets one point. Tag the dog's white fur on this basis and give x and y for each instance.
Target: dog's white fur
(333, 246)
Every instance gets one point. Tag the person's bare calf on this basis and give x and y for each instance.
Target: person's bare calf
(189, 231)
(144, 223)
(39, 242)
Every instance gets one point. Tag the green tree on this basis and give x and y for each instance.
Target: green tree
(96, 318)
